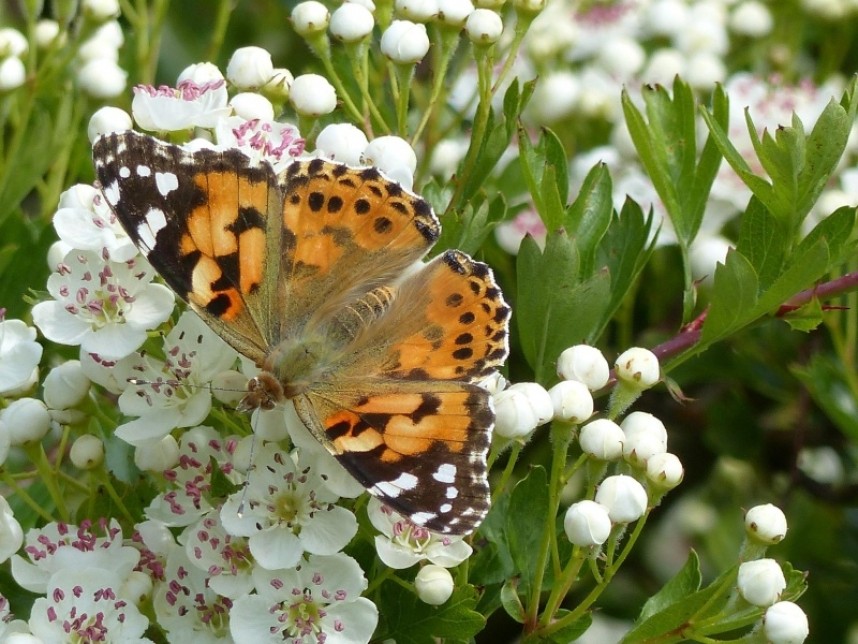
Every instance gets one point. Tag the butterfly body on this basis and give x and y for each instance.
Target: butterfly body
(315, 274)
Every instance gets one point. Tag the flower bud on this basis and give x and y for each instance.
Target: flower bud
(351, 22)
(585, 364)
(252, 106)
(587, 524)
(229, 386)
(484, 27)
(645, 435)
(434, 584)
(704, 69)
(521, 408)
(342, 142)
(137, 587)
(12, 74)
(100, 10)
(102, 78)
(454, 12)
(394, 156)
(200, 74)
(46, 33)
(310, 18)
(752, 19)
(766, 524)
(602, 439)
(66, 385)
(761, 582)
(157, 456)
(312, 95)
(249, 67)
(12, 43)
(664, 470)
(108, 119)
(638, 367)
(572, 401)
(11, 534)
(785, 623)
(624, 497)
(27, 420)
(405, 42)
(417, 10)
(280, 85)
(87, 452)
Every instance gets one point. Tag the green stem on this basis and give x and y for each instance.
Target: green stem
(449, 40)
(404, 74)
(321, 46)
(22, 494)
(522, 24)
(37, 456)
(562, 585)
(216, 38)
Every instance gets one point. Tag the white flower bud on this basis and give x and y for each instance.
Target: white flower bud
(434, 584)
(280, 84)
(645, 435)
(102, 78)
(342, 142)
(12, 74)
(12, 43)
(664, 470)
(11, 534)
(157, 456)
(785, 623)
(249, 67)
(572, 401)
(822, 464)
(351, 22)
(703, 35)
(394, 156)
(251, 106)
(229, 386)
(704, 70)
(312, 95)
(108, 119)
(707, 251)
(602, 439)
(761, 582)
(47, 31)
(405, 42)
(555, 97)
(585, 364)
(100, 10)
(766, 524)
(638, 367)
(417, 10)
(309, 18)
(663, 66)
(752, 19)
(5, 440)
(484, 27)
(87, 452)
(109, 35)
(521, 408)
(200, 74)
(624, 497)
(446, 157)
(622, 56)
(65, 385)
(665, 18)
(587, 524)
(156, 536)
(137, 587)
(454, 12)
(27, 420)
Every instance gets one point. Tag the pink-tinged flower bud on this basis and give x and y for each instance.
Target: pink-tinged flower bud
(310, 18)
(252, 106)
(108, 119)
(587, 524)
(66, 385)
(312, 95)
(484, 27)
(12, 74)
(27, 420)
(405, 42)
(351, 22)
(624, 497)
(761, 582)
(602, 439)
(417, 10)
(434, 584)
(638, 368)
(249, 67)
(454, 13)
(87, 452)
(785, 623)
(157, 456)
(572, 401)
(664, 470)
(342, 142)
(585, 364)
(766, 524)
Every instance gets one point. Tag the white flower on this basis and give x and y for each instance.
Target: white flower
(484, 27)
(761, 582)
(445, 159)
(417, 10)
(510, 234)
(394, 156)
(785, 623)
(84, 604)
(26, 420)
(268, 140)
(107, 119)
(317, 601)
(252, 106)
(434, 584)
(585, 364)
(11, 534)
(113, 375)
(12, 74)
(622, 56)
(105, 307)
(454, 12)
(287, 512)
(766, 524)
(702, 35)
(62, 547)
(664, 470)
(224, 559)
(704, 69)
(752, 19)
(19, 356)
(312, 95)
(12, 43)
(13, 631)
(249, 67)
(638, 367)
(602, 439)
(521, 408)
(663, 66)
(174, 392)
(66, 385)
(572, 401)
(587, 523)
(624, 498)
(102, 78)
(188, 105)
(87, 452)
(351, 22)
(342, 142)
(555, 97)
(665, 18)
(402, 544)
(310, 18)
(405, 42)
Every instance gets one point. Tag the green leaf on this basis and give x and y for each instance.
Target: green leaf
(511, 602)
(682, 584)
(805, 318)
(572, 632)
(763, 240)
(588, 218)
(825, 379)
(734, 298)
(528, 506)
(411, 621)
(544, 169)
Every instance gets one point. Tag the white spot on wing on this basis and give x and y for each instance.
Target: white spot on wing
(149, 228)
(445, 508)
(144, 171)
(452, 492)
(420, 518)
(445, 473)
(124, 172)
(111, 193)
(166, 182)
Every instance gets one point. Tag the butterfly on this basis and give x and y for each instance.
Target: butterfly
(315, 274)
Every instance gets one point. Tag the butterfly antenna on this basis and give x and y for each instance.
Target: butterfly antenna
(251, 464)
